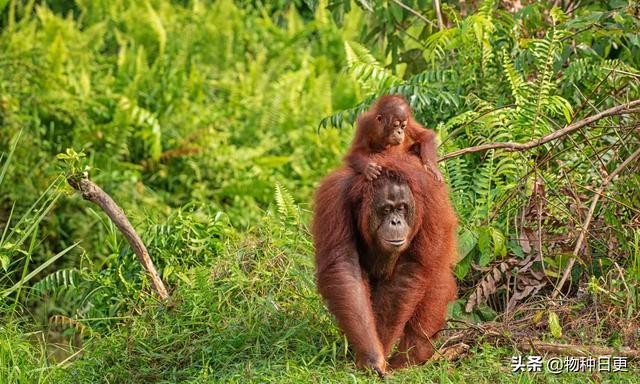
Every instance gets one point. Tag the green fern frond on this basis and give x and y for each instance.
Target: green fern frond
(623, 69)
(145, 119)
(459, 176)
(544, 51)
(515, 79)
(421, 97)
(560, 106)
(461, 119)
(486, 7)
(158, 28)
(348, 115)
(558, 15)
(285, 202)
(56, 282)
(366, 69)
(441, 41)
(578, 69)
(483, 184)
(434, 76)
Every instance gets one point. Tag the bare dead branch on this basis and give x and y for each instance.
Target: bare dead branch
(587, 221)
(92, 192)
(617, 110)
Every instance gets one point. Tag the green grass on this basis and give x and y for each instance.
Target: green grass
(252, 315)
(241, 328)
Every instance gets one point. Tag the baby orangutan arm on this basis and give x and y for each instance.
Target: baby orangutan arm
(360, 162)
(426, 140)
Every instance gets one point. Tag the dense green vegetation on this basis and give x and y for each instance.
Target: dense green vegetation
(211, 123)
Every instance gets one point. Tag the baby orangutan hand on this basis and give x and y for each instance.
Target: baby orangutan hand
(435, 172)
(372, 171)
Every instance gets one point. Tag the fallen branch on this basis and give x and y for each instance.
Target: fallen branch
(587, 221)
(92, 192)
(578, 350)
(617, 110)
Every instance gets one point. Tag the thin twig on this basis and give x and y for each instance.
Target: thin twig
(436, 6)
(546, 159)
(408, 8)
(92, 192)
(508, 146)
(623, 72)
(587, 221)
(629, 207)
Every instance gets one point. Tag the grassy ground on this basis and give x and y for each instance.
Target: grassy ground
(253, 315)
(489, 366)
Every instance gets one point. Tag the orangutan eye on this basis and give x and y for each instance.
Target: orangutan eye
(387, 210)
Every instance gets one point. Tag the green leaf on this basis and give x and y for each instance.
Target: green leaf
(466, 241)
(462, 268)
(499, 247)
(158, 28)
(554, 325)
(485, 258)
(4, 261)
(271, 161)
(167, 271)
(484, 245)
(366, 5)
(396, 11)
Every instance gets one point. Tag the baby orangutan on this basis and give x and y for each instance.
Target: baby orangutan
(389, 126)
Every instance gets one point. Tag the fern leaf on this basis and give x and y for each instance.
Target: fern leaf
(285, 202)
(158, 28)
(366, 68)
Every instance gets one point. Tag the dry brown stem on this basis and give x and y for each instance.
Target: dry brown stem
(92, 192)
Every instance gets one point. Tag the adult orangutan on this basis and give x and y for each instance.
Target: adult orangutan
(384, 256)
(386, 127)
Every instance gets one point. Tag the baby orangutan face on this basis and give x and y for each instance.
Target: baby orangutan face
(394, 119)
(396, 134)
